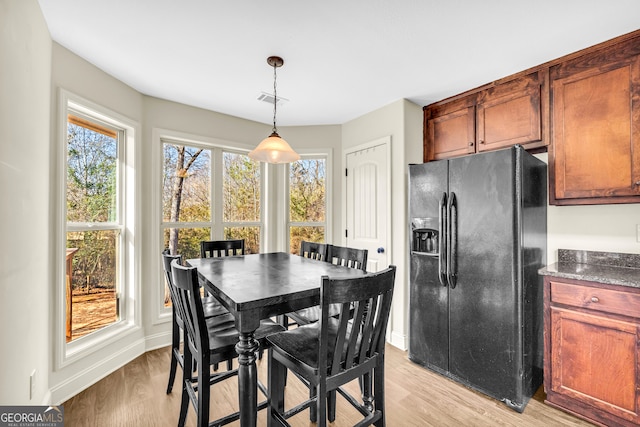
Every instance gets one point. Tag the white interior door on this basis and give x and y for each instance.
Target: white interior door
(367, 206)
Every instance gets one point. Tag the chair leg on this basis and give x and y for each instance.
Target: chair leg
(175, 346)
(275, 384)
(321, 403)
(313, 410)
(378, 387)
(187, 375)
(204, 391)
(365, 388)
(331, 406)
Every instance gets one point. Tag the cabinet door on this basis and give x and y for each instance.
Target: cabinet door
(511, 114)
(450, 133)
(596, 134)
(594, 361)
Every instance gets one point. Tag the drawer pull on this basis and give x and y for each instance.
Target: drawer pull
(595, 299)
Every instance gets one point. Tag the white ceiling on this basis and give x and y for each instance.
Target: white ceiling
(343, 58)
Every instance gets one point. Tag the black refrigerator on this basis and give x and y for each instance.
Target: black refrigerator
(477, 237)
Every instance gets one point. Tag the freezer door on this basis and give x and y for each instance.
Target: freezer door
(484, 327)
(428, 299)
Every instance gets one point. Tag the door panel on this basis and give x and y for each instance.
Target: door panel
(366, 204)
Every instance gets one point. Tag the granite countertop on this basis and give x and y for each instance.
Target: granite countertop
(604, 267)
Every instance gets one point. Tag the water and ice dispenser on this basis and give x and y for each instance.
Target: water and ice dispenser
(425, 235)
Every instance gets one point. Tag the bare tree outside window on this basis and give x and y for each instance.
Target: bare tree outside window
(187, 206)
(186, 197)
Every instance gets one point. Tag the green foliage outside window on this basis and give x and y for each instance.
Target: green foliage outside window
(307, 202)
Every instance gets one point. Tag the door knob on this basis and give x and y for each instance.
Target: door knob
(380, 250)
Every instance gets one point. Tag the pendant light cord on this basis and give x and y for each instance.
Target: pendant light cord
(275, 98)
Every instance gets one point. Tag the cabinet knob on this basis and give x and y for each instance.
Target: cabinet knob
(481, 141)
(637, 183)
(471, 144)
(595, 299)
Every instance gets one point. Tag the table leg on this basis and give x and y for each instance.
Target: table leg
(247, 379)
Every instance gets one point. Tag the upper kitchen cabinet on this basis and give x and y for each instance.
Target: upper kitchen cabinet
(450, 129)
(496, 116)
(595, 153)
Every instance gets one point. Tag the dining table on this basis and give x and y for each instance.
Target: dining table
(260, 286)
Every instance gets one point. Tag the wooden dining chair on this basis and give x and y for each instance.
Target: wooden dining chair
(318, 252)
(211, 308)
(220, 248)
(207, 344)
(336, 350)
(313, 250)
(339, 255)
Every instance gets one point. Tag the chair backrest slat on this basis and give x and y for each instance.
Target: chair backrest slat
(348, 257)
(221, 248)
(313, 250)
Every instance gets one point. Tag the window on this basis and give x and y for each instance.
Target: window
(96, 298)
(307, 201)
(208, 193)
(94, 226)
(186, 198)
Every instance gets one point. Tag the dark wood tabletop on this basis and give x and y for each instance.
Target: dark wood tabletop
(259, 286)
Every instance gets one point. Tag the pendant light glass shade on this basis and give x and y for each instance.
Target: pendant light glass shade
(274, 149)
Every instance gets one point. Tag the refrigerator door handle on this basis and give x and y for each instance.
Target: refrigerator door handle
(452, 237)
(442, 241)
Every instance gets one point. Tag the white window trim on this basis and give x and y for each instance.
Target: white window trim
(159, 313)
(68, 353)
(326, 153)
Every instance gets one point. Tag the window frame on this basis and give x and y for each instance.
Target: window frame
(159, 312)
(325, 154)
(128, 288)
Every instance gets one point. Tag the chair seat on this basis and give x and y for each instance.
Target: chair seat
(311, 314)
(301, 344)
(223, 335)
(212, 307)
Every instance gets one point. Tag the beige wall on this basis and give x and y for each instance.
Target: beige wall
(25, 268)
(77, 76)
(609, 228)
(402, 121)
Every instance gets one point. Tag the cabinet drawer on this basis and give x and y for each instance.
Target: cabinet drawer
(606, 300)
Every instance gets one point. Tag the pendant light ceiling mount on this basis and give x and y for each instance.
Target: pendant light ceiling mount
(274, 149)
(275, 61)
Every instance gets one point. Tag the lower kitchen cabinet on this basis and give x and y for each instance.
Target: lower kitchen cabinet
(592, 336)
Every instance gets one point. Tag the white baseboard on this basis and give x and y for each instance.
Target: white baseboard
(159, 340)
(87, 377)
(399, 340)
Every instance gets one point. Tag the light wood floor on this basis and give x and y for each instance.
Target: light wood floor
(135, 396)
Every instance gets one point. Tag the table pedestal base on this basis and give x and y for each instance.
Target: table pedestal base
(247, 379)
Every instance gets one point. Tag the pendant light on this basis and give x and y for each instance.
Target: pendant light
(274, 149)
